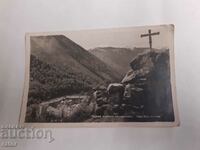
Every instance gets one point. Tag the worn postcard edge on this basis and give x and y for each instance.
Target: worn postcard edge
(22, 122)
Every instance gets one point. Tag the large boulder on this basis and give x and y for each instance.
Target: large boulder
(116, 92)
(150, 72)
(115, 88)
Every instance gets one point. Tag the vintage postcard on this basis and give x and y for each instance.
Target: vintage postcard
(100, 78)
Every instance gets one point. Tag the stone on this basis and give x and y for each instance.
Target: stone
(129, 77)
(150, 75)
(115, 88)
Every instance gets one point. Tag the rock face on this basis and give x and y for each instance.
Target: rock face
(151, 73)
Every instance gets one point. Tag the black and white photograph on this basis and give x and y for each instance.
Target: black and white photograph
(122, 76)
(100, 75)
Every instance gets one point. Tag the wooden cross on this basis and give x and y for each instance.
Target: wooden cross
(150, 38)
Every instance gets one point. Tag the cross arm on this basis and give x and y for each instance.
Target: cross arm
(143, 35)
(155, 33)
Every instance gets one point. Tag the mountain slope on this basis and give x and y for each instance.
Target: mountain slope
(61, 51)
(58, 67)
(49, 81)
(117, 58)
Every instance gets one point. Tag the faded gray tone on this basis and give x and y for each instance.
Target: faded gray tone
(68, 83)
(19, 17)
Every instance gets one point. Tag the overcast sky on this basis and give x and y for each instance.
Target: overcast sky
(122, 37)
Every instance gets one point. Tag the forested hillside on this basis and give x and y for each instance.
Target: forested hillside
(48, 81)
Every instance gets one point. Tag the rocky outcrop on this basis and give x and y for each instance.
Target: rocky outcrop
(151, 73)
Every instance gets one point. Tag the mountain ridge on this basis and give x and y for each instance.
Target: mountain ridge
(117, 57)
(71, 55)
(59, 65)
